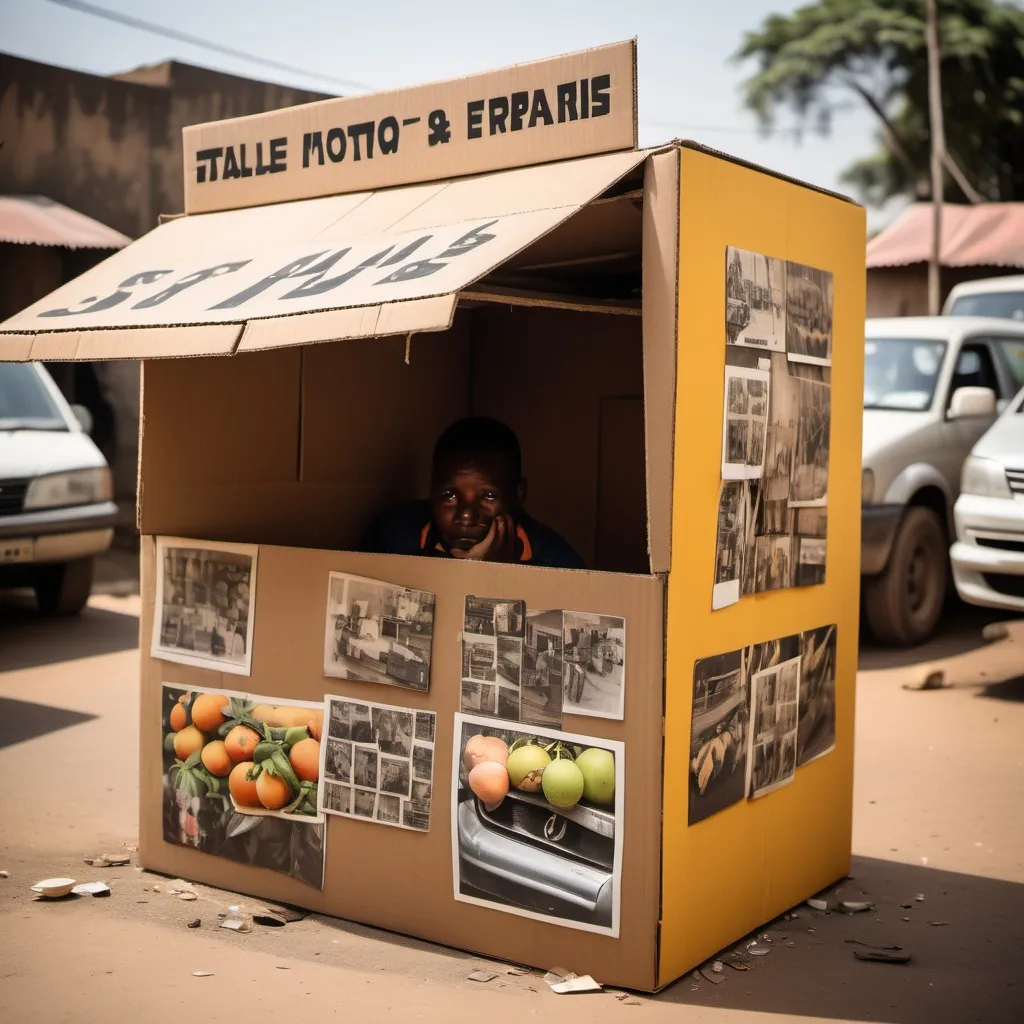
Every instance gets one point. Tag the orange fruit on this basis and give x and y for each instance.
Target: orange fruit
(243, 792)
(241, 742)
(305, 759)
(266, 713)
(187, 742)
(215, 759)
(179, 717)
(206, 711)
(273, 791)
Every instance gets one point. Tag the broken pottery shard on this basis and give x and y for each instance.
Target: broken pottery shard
(195, 924)
(737, 965)
(202, 974)
(853, 907)
(481, 976)
(717, 967)
(882, 956)
(557, 974)
(938, 924)
(919, 897)
(186, 896)
(870, 945)
(757, 951)
(108, 860)
(92, 889)
(584, 983)
(818, 904)
(709, 975)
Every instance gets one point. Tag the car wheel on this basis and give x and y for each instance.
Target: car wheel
(63, 589)
(903, 604)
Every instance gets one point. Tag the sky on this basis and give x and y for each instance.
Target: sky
(688, 85)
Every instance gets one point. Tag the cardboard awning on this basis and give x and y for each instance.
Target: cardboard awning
(352, 266)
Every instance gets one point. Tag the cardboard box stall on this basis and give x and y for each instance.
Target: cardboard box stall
(660, 327)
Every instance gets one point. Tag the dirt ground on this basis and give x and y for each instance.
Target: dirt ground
(938, 812)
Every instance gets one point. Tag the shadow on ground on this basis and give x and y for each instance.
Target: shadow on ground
(28, 640)
(964, 968)
(20, 720)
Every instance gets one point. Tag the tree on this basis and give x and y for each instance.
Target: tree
(816, 59)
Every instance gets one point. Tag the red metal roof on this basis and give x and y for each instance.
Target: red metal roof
(989, 235)
(36, 220)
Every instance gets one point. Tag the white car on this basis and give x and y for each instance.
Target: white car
(56, 512)
(988, 556)
(932, 387)
(993, 296)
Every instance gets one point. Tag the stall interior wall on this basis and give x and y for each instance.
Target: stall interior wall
(303, 446)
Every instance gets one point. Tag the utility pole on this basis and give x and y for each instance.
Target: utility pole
(938, 149)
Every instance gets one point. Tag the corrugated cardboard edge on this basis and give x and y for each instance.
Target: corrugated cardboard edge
(102, 344)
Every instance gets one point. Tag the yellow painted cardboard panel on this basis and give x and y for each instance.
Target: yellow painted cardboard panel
(741, 867)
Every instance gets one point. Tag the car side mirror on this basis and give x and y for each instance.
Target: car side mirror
(84, 417)
(972, 403)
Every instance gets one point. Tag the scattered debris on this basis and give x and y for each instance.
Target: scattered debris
(919, 897)
(202, 974)
(54, 888)
(712, 976)
(92, 889)
(237, 920)
(932, 681)
(287, 914)
(5, 874)
(109, 860)
(906, 906)
(906, 919)
(717, 967)
(938, 924)
(737, 965)
(196, 923)
(818, 904)
(517, 972)
(557, 974)
(481, 976)
(755, 950)
(870, 945)
(584, 983)
(269, 918)
(282, 967)
(853, 907)
(882, 956)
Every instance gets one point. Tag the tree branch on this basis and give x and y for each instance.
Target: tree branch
(889, 132)
(960, 178)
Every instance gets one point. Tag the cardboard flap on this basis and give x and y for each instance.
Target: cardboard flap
(377, 255)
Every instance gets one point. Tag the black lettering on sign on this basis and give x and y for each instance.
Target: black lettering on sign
(540, 110)
(364, 130)
(318, 285)
(584, 97)
(387, 135)
(95, 305)
(474, 119)
(601, 101)
(567, 103)
(520, 105)
(278, 155)
(423, 268)
(312, 145)
(497, 110)
(188, 280)
(207, 166)
(235, 167)
(297, 268)
(440, 128)
(406, 121)
(336, 145)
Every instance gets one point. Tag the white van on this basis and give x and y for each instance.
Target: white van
(1001, 297)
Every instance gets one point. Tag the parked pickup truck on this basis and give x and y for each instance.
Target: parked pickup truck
(932, 387)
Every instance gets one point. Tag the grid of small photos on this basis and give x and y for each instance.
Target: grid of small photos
(377, 763)
(533, 665)
(760, 713)
(772, 512)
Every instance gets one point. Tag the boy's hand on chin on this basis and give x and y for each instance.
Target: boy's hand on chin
(498, 546)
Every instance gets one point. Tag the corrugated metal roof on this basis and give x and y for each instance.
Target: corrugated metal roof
(36, 220)
(986, 235)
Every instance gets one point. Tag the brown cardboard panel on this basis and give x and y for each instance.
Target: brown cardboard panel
(418, 134)
(545, 372)
(219, 419)
(621, 544)
(402, 880)
(661, 313)
(16, 348)
(133, 343)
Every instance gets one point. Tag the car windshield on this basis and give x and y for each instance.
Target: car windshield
(25, 403)
(1005, 305)
(901, 373)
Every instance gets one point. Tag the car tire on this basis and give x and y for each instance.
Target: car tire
(63, 589)
(903, 604)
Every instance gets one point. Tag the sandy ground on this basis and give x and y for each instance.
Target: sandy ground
(939, 795)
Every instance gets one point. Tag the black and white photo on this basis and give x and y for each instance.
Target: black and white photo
(773, 556)
(205, 605)
(809, 484)
(479, 698)
(745, 420)
(812, 522)
(509, 703)
(718, 735)
(495, 616)
(389, 761)
(817, 722)
(771, 755)
(541, 702)
(479, 658)
(378, 632)
(510, 661)
(337, 798)
(808, 314)
(594, 664)
(730, 545)
(338, 761)
(755, 312)
(523, 855)
(810, 565)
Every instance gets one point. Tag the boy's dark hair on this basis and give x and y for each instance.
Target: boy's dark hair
(479, 435)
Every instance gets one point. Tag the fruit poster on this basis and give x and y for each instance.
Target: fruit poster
(537, 822)
(205, 604)
(378, 763)
(241, 779)
(378, 632)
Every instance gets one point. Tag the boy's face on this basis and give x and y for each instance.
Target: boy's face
(468, 492)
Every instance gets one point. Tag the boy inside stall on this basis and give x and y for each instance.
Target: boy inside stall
(475, 509)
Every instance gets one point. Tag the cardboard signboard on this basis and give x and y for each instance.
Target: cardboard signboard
(575, 105)
(599, 333)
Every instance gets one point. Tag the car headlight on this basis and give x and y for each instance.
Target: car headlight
(986, 477)
(79, 487)
(867, 487)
